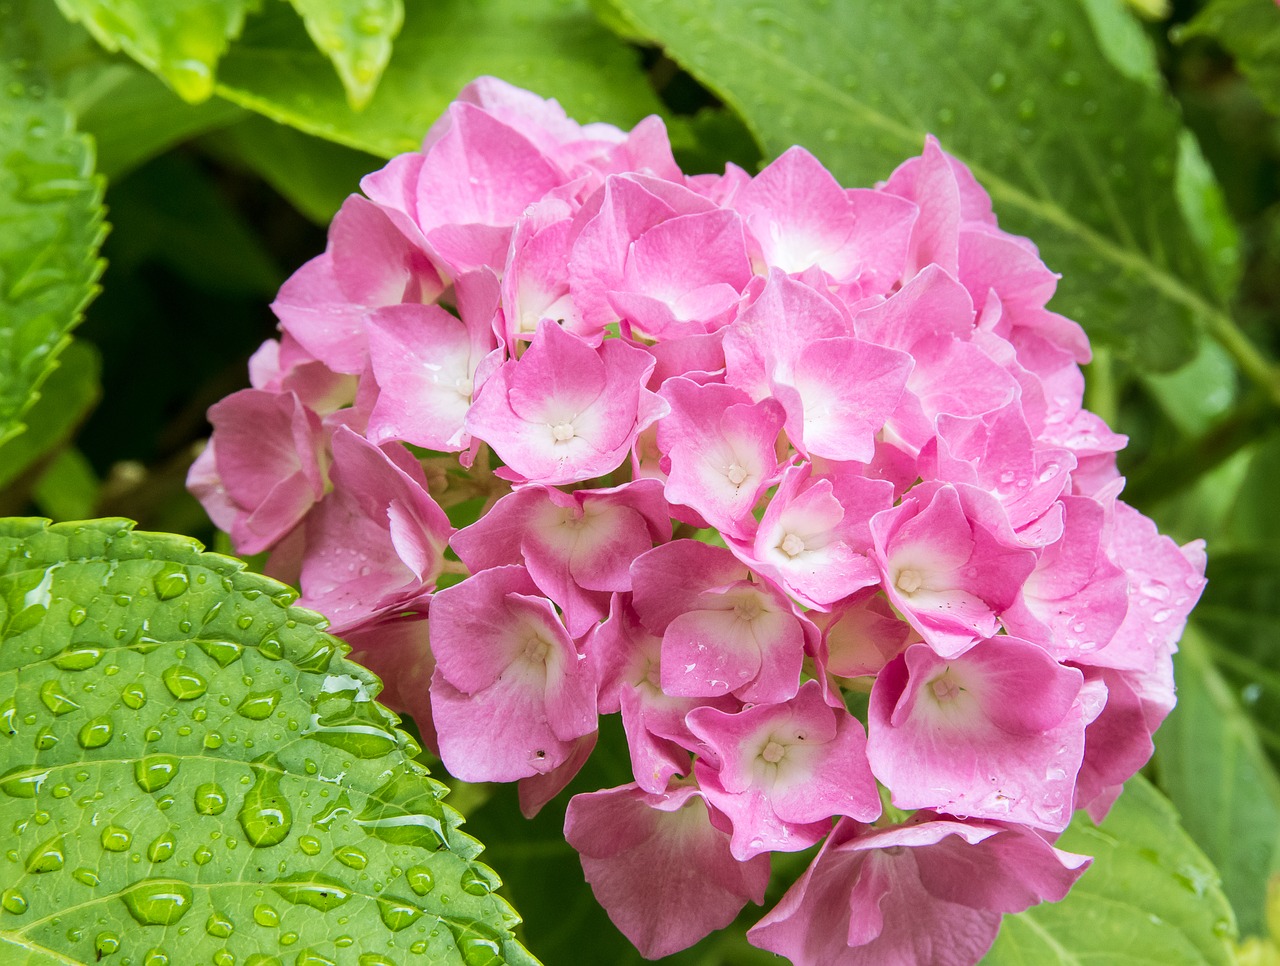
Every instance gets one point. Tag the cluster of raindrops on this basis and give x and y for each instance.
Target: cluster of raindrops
(218, 783)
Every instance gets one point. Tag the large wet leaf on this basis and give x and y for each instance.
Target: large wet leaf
(1054, 106)
(553, 47)
(1150, 896)
(51, 213)
(193, 772)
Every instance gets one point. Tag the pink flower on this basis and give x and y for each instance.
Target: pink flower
(564, 411)
(931, 890)
(660, 866)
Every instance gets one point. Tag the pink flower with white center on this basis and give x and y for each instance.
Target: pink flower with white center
(369, 263)
(428, 365)
(660, 866)
(780, 771)
(814, 539)
(628, 660)
(946, 575)
(800, 217)
(577, 547)
(376, 542)
(565, 412)
(534, 284)
(263, 469)
(997, 732)
(721, 632)
(511, 693)
(931, 890)
(719, 451)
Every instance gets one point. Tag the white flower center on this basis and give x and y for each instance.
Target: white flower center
(536, 650)
(773, 752)
(792, 545)
(909, 581)
(944, 689)
(562, 432)
(736, 474)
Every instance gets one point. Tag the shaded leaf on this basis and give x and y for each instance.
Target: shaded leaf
(1150, 896)
(1077, 153)
(51, 209)
(356, 35)
(1214, 770)
(68, 489)
(315, 175)
(1240, 613)
(164, 704)
(554, 48)
(1250, 30)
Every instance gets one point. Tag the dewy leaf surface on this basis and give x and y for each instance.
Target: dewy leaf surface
(50, 230)
(1077, 154)
(191, 769)
(553, 47)
(1150, 896)
(356, 35)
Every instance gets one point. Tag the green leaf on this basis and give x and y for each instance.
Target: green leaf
(180, 40)
(356, 35)
(1077, 154)
(190, 765)
(133, 117)
(1250, 30)
(1240, 614)
(1150, 896)
(51, 210)
(315, 175)
(68, 489)
(553, 47)
(67, 396)
(1215, 772)
(128, 111)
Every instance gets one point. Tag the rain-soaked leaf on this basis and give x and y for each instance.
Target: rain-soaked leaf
(192, 771)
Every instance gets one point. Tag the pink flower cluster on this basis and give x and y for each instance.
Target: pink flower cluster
(748, 452)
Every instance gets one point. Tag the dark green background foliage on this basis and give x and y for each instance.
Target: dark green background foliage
(1136, 143)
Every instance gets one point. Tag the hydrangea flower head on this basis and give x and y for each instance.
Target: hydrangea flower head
(730, 455)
